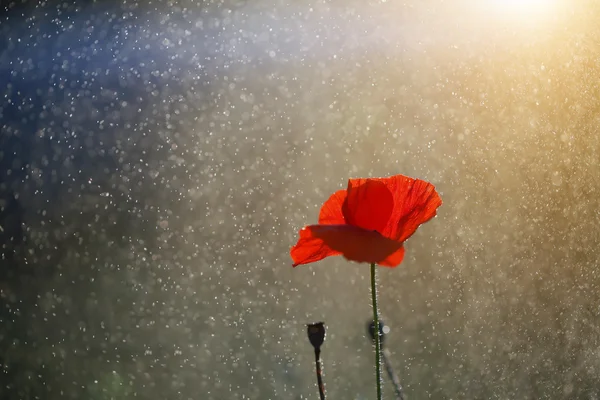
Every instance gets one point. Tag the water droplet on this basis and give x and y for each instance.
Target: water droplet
(556, 178)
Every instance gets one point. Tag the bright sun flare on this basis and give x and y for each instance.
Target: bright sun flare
(526, 12)
(523, 6)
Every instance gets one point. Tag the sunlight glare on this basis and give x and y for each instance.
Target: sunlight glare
(520, 14)
(523, 8)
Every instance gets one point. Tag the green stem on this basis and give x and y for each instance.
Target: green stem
(376, 330)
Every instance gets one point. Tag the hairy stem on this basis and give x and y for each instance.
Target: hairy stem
(376, 330)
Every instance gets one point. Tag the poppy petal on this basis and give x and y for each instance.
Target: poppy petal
(368, 205)
(356, 244)
(415, 202)
(310, 248)
(394, 259)
(331, 211)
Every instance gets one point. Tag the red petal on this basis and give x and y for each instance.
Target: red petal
(368, 205)
(331, 211)
(310, 248)
(355, 244)
(394, 259)
(415, 202)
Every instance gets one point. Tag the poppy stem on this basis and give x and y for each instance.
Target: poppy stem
(319, 374)
(385, 357)
(392, 375)
(376, 330)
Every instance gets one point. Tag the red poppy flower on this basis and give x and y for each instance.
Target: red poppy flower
(369, 221)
